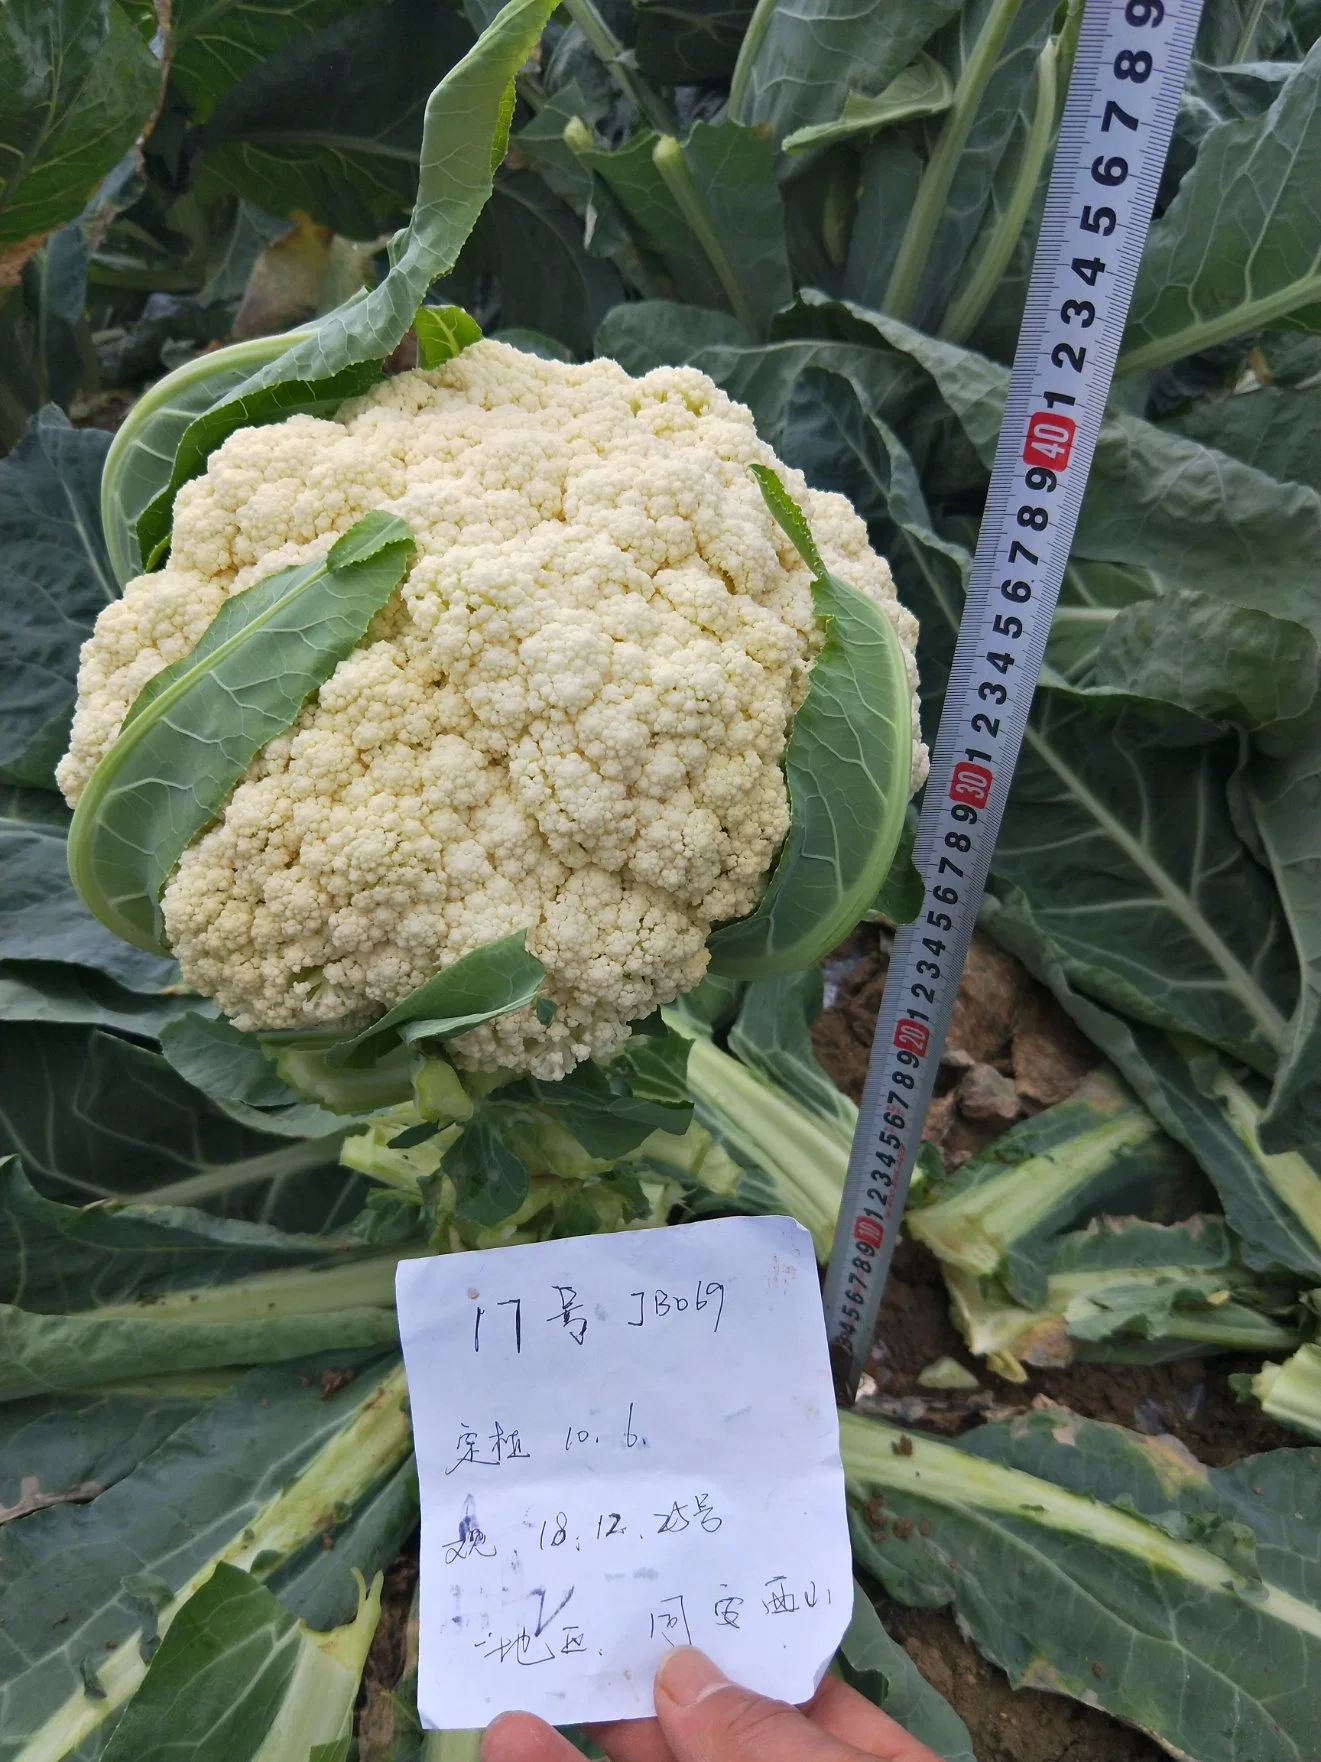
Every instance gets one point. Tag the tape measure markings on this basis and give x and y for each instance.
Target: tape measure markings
(1128, 72)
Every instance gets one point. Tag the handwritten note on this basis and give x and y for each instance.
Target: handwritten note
(624, 1443)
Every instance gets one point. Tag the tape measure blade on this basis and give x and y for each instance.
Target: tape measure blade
(1131, 61)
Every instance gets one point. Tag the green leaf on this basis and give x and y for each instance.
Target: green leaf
(801, 58)
(903, 891)
(1224, 662)
(57, 577)
(999, 258)
(654, 1061)
(56, 1257)
(41, 917)
(1003, 1208)
(609, 1118)
(492, 1181)
(533, 245)
(231, 1068)
(238, 1679)
(489, 981)
(214, 43)
(255, 1479)
(847, 765)
(142, 455)
(126, 1124)
(87, 88)
(992, 50)
(443, 332)
(83, 1445)
(1273, 428)
(1274, 1207)
(709, 210)
(1200, 520)
(329, 124)
(50, 991)
(315, 369)
(772, 1035)
(1120, 1542)
(924, 89)
(1284, 793)
(878, 1667)
(687, 42)
(1165, 917)
(191, 733)
(1239, 247)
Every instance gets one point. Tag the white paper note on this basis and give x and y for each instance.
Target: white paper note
(624, 1443)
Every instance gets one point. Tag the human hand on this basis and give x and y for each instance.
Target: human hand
(703, 1717)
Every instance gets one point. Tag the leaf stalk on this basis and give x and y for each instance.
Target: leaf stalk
(667, 157)
(967, 307)
(933, 191)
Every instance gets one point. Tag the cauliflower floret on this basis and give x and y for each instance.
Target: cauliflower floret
(569, 719)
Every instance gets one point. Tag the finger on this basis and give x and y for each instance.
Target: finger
(522, 1737)
(845, 1714)
(632, 1740)
(707, 1718)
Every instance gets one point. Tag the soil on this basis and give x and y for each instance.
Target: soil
(393, 1653)
(1011, 1051)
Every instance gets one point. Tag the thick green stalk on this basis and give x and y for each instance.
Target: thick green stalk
(933, 191)
(968, 305)
(804, 1163)
(295, 1290)
(1250, 315)
(877, 1455)
(1289, 1175)
(973, 1230)
(613, 56)
(452, 1746)
(667, 157)
(749, 49)
(1291, 1392)
(1005, 1334)
(368, 1448)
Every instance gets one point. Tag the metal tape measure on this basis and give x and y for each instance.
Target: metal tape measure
(1124, 91)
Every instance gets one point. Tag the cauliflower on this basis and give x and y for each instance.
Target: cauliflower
(568, 720)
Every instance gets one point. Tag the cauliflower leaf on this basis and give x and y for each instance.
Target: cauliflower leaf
(848, 766)
(194, 729)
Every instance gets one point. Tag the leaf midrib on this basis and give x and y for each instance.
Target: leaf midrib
(1238, 980)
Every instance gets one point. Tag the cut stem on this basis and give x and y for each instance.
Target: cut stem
(933, 191)
(667, 157)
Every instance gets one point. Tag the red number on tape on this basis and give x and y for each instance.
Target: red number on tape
(867, 1231)
(1049, 440)
(971, 784)
(911, 1036)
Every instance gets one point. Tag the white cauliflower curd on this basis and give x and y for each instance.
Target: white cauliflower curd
(569, 719)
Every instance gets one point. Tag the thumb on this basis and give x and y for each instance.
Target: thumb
(707, 1718)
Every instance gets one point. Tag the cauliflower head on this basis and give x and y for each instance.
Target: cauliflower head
(569, 719)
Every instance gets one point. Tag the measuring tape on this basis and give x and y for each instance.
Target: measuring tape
(1123, 95)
